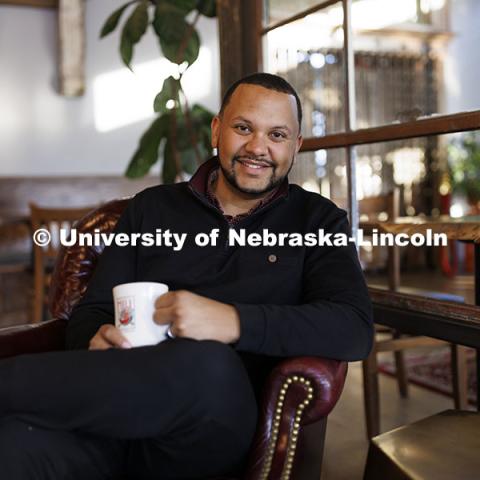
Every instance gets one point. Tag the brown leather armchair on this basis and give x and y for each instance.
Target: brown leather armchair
(297, 398)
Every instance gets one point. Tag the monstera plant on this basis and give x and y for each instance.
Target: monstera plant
(181, 133)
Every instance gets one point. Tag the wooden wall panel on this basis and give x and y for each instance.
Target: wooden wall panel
(17, 192)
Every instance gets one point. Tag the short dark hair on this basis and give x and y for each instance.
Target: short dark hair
(265, 80)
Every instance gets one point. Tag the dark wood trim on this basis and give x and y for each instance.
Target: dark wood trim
(239, 24)
(447, 327)
(298, 16)
(453, 322)
(31, 3)
(252, 38)
(460, 313)
(229, 13)
(435, 125)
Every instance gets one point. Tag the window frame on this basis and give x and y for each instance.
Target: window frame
(351, 136)
(244, 14)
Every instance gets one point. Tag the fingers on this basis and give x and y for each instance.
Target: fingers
(168, 307)
(115, 337)
(164, 315)
(165, 300)
(108, 336)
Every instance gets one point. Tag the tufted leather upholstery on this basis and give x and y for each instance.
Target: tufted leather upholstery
(76, 264)
(297, 398)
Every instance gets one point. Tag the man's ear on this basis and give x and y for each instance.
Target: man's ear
(299, 144)
(215, 127)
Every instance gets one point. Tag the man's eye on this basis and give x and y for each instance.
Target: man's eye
(242, 128)
(278, 135)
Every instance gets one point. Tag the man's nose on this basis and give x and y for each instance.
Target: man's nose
(257, 145)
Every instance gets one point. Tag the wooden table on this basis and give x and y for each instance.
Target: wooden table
(464, 228)
(416, 315)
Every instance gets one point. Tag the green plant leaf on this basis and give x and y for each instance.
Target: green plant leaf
(207, 8)
(112, 21)
(171, 28)
(205, 135)
(183, 134)
(201, 114)
(137, 23)
(189, 160)
(186, 6)
(190, 52)
(169, 23)
(146, 154)
(169, 169)
(202, 119)
(126, 48)
(169, 91)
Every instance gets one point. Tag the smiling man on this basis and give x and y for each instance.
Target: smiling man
(186, 408)
(257, 134)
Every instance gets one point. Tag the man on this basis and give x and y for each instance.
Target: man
(185, 408)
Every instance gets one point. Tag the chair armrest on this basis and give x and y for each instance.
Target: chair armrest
(32, 338)
(299, 391)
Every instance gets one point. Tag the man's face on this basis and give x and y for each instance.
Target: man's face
(257, 139)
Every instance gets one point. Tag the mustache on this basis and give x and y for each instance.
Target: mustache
(260, 160)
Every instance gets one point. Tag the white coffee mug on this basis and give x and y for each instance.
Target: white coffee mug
(134, 307)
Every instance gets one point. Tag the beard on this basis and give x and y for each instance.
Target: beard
(273, 182)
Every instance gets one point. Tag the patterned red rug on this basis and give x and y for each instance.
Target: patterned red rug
(431, 370)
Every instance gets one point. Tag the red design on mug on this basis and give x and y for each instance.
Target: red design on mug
(126, 309)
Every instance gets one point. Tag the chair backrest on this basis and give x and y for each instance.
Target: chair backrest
(387, 205)
(74, 265)
(52, 220)
(383, 208)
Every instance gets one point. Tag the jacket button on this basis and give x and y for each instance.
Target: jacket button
(272, 258)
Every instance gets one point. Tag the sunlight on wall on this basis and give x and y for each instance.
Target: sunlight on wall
(122, 97)
(11, 119)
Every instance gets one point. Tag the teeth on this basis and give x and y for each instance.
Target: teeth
(252, 165)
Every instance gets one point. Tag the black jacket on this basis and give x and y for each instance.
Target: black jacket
(291, 300)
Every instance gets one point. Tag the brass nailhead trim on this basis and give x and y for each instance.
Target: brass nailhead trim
(292, 443)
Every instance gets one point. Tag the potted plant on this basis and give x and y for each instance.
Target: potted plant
(181, 133)
(464, 165)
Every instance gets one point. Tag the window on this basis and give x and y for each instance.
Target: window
(381, 81)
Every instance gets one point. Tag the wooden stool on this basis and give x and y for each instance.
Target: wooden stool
(445, 446)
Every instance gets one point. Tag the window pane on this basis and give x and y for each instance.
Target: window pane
(413, 60)
(323, 171)
(308, 53)
(276, 10)
(436, 175)
(439, 174)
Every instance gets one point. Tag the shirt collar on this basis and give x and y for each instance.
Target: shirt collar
(202, 182)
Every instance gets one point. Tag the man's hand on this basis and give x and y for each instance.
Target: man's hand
(108, 336)
(197, 317)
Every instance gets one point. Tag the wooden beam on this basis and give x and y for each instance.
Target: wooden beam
(435, 125)
(31, 3)
(229, 17)
(251, 36)
(71, 19)
(300, 15)
(239, 25)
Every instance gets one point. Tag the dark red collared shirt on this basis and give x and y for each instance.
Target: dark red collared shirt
(205, 178)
